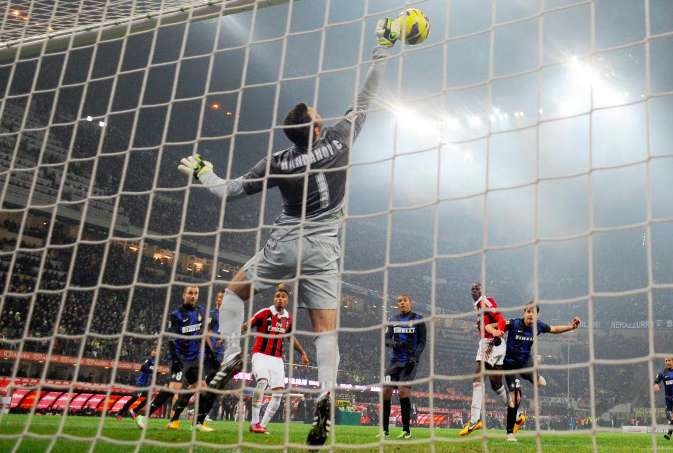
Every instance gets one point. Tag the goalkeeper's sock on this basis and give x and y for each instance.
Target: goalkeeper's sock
(272, 408)
(511, 418)
(180, 405)
(231, 319)
(386, 415)
(405, 405)
(477, 399)
(327, 358)
(502, 393)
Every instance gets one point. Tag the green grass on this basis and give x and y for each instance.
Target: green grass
(77, 433)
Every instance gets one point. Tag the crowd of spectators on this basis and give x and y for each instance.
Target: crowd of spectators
(118, 291)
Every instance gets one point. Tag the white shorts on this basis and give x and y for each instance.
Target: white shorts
(493, 355)
(277, 263)
(270, 368)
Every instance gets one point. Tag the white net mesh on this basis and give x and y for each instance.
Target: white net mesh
(526, 144)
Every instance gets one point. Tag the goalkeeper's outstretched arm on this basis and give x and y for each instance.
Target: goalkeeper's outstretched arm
(387, 35)
(248, 184)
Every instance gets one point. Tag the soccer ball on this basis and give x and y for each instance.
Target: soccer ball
(414, 26)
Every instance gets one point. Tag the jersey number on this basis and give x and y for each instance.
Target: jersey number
(323, 189)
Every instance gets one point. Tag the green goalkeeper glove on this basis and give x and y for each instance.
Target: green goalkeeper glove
(387, 32)
(194, 166)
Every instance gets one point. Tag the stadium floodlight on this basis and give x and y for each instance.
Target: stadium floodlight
(474, 121)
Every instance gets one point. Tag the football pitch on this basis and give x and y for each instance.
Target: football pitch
(78, 434)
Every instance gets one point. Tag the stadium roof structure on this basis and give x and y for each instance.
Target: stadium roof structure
(29, 21)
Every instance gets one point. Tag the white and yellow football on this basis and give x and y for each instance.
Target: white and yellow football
(414, 26)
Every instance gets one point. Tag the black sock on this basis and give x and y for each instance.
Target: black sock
(127, 406)
(511, 419)
(159, 401)
(405, 405)
(206, 400)
(386, 415)
(180, 404)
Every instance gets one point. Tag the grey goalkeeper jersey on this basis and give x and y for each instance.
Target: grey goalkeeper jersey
(320, 170)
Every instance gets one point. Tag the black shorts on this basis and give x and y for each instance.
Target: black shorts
(669, 411)
(188, 373)
(400, 372)
(514, 380)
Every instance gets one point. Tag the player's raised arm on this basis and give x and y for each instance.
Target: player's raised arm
(386, 36)
(574, 324)
(250, 183)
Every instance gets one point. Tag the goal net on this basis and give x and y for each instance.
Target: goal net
(526, 145)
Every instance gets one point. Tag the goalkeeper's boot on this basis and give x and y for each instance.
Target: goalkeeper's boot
(667, 436)
(511, 438)
(140, 422)
(173, 425)
(520, 421)
(383, 435)
(405, 435)
(229, 368)
(321, 421)
(469, 428)
(203, 428)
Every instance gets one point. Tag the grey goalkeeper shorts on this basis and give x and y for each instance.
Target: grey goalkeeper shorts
(318, 267)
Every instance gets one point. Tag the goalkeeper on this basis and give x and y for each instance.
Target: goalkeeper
(312, 182)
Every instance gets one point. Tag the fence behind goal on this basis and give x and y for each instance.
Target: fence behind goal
(525, 145)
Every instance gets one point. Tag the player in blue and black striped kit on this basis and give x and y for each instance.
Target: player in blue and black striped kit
(187, 356)
(665, 376)
(521, 333)
(406, 335)
(144, 379)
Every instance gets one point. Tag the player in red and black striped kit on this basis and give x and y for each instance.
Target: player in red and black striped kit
(491, 352)
(272, 324)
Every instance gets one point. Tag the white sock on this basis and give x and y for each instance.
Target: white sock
(272, 408)
(477, 402)
(258, 400)
(502, 392)
(327, 357)
(231, 318)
